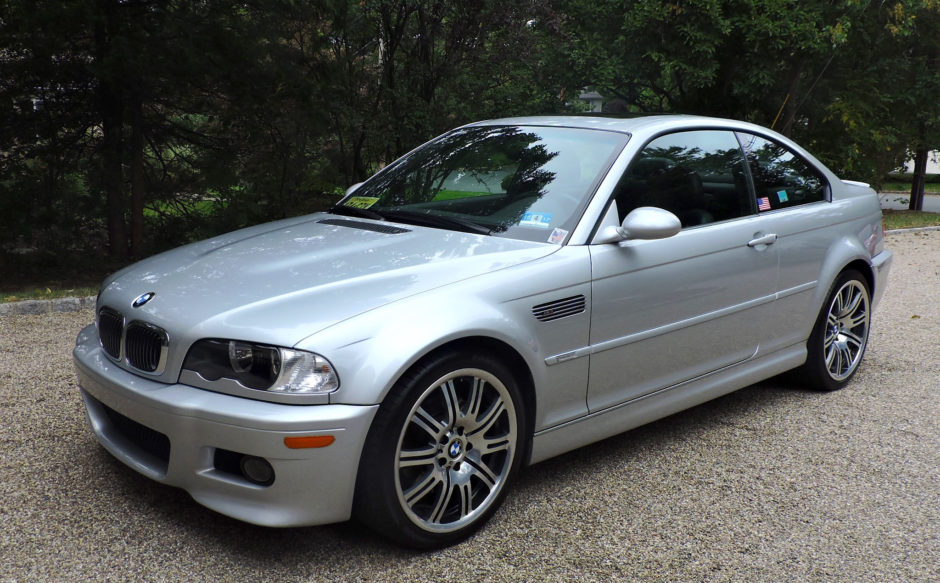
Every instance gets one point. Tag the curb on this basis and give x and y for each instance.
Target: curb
(911, 230)
(35, 307)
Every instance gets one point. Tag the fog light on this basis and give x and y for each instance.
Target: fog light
(257, 470)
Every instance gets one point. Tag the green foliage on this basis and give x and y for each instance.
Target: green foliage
(855, 81)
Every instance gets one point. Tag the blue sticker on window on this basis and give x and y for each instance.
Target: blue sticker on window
(540, 220)
(782, 196)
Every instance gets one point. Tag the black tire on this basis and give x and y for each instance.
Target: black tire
(837, 344)
(442, 448)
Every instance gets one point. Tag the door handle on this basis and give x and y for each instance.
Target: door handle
(763, 240)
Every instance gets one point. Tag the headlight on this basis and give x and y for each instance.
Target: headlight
(266, 368)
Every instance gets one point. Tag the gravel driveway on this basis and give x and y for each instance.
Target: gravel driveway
(771, 483)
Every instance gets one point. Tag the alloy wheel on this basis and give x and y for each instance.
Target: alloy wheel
(456, 450)
(846, 330)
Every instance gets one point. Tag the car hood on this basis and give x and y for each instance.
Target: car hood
(281, 282)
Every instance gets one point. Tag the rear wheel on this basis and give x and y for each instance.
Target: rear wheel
(839, 338)
(441, 451)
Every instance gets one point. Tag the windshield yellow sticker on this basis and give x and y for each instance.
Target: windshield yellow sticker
(361, 202)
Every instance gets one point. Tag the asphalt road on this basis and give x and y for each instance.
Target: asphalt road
(772, 483)
(900, 201)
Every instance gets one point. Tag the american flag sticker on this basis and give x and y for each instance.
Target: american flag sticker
(763, 203)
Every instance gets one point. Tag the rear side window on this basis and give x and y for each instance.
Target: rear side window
(698, 175)
(781, 178)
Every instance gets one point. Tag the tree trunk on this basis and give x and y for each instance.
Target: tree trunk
(111, 110)
(920, 178)
(137, 177)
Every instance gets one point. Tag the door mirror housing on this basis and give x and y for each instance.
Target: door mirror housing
(645, 223)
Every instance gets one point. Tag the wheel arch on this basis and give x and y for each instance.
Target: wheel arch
(845, 254)
(865, 269)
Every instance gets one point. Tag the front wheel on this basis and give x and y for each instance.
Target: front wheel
(839, 338)
(441, 450)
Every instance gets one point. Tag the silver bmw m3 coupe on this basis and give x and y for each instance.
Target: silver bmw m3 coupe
(507, 292)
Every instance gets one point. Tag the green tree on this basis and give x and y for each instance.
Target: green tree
(841, 77)
(139, 103)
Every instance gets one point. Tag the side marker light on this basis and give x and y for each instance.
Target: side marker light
(308, 441)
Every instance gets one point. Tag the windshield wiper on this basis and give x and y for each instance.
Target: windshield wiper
(438, 221)
(351, 211)
(413, 218)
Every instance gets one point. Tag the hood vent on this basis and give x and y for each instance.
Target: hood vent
(559, 308)
(387, 229)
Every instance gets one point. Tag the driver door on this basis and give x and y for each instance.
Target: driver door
(670, 310)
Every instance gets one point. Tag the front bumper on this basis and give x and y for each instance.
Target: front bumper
(311, 486)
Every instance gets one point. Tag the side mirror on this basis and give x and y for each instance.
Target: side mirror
(353, 188)
(646, 222)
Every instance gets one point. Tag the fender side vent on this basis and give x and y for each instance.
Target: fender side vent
(387, 229)
(558, 308)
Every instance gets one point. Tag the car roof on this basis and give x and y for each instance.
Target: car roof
(646, 124)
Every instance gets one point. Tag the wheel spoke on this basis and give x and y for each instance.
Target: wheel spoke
(421, 489)
(476, 399)
(466, 498)
(839, 357)
(417, 457)
(443, 500)
(489, 419)
(854, 340)
(428, 423)
(837, 308)
(845, 360)
(494, 445)
(450, 400)
(834, 359)
(856, 300)
(484, 473)
(858, 319)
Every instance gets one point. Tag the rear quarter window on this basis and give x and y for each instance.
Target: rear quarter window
(781, 177)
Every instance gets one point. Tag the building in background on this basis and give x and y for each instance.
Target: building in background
(933, 163)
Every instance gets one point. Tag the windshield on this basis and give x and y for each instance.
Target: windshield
(528, 183)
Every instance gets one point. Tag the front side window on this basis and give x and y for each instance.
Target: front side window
(697, 175)
(781, 178)
(520, 182)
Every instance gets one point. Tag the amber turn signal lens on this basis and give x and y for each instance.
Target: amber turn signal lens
(309, 441)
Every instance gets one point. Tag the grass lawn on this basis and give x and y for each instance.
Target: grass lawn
(910, 219)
